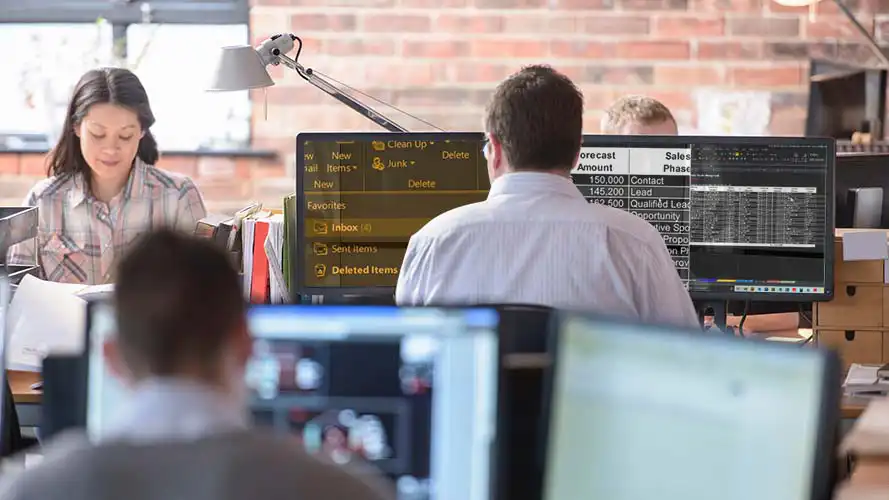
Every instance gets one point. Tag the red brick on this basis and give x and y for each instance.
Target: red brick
(653, 50)
(437, 4)
(395, 23)
(217, 167)
(322, 22)
(9, 163)
(764, 27)
(479, 72)
(675, 100)
(33, 164)
(689, 75)
(510, 4)
(538, 24)
(688, 26)
(580, 49)
(799, 50)
(582, 4)
(623, 24)
(722, 50)
(510, 48)
(398, 74)
(265, 169)
(359, 47)
(186, 165)
(654, 5)
(444, 49)
(618, 75)
(468, 23)
(722, 6)
(836, 26)
(767, 76)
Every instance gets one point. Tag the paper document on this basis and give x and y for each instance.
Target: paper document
(46, 317)
(274, 249)
(863, 379)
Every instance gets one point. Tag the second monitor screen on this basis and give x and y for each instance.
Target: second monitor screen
(364, 197)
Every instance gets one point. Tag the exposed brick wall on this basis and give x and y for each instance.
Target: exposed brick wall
(439, 59)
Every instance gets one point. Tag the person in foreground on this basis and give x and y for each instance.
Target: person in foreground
(536, 240)
(103, 189)
(181, 347)
(642, 115)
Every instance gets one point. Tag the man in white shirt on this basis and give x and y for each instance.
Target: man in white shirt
(536, 240)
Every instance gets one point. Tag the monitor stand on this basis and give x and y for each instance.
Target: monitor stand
(717, 309)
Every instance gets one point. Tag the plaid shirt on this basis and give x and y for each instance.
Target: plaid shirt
(79, 238)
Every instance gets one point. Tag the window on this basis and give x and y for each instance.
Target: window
(169, 44)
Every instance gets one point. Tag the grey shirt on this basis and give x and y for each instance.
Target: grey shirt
(210, 454)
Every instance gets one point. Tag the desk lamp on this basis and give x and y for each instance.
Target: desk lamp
(874, 46)
(244, 67)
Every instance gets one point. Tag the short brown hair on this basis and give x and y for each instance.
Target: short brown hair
(178, 299)
(638, 109)
(537, 116)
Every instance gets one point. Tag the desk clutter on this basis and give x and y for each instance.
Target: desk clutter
(516, 403)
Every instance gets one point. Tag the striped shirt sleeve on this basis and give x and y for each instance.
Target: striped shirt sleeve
(190, 208)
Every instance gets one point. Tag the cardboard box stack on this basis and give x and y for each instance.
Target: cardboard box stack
(856, 321)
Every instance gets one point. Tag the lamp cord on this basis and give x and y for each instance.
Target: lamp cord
(309, 72)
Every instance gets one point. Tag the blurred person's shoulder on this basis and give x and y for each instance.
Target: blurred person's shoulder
(24, 475)
(316, 477)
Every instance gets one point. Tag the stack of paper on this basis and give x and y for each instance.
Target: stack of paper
(46, 317)
(263, 246)
(863, 380)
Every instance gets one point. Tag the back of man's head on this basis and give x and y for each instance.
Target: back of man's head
(537, 117)
(638, 115)
(179, 304)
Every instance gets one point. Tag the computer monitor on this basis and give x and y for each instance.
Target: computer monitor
(745, 218)
(410, 392)
(644, 412)
(361, 196)
(860, 178)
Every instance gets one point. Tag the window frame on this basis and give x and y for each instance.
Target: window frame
(125, 12)
(121, 14)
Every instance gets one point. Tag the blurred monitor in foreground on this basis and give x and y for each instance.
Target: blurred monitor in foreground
(642, 412)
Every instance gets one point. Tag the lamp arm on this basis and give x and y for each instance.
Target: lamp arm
(874, 46)
(330, 89)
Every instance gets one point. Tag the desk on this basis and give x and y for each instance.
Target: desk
(20, 383)
(27, 400)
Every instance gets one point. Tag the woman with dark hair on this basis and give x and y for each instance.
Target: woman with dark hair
(103, 189)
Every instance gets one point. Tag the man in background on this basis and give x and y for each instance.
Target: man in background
(536, 240)
(638, 115)
(642, 115)
(181, 347)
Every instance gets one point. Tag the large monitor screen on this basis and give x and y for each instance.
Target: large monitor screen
(361, 196)
(640, 412)
(744, 218)
(409, 392)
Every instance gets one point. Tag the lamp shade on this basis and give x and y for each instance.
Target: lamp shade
(239, 68)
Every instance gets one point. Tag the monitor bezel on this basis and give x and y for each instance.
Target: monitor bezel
(297, 272)
(830, 223)
(826, 439)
